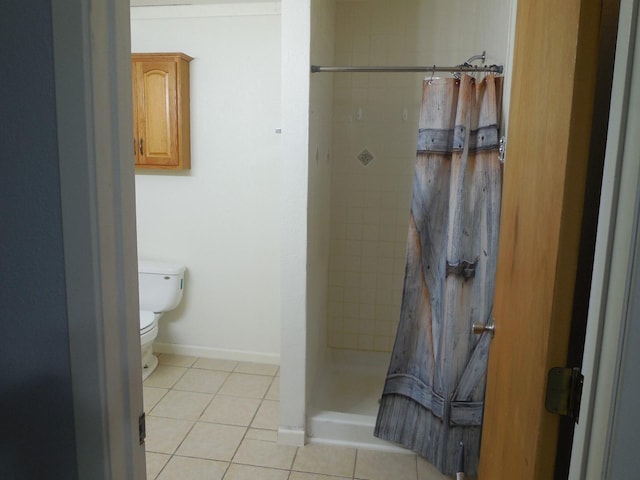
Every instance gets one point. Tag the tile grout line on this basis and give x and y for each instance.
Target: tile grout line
(156, 404)
(248, 427)
(355, 464)
(171, 388)
(187, 433)
(216, 393)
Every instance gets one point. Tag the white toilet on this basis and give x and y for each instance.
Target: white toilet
(160, 288)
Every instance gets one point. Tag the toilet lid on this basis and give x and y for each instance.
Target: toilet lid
(146, 319)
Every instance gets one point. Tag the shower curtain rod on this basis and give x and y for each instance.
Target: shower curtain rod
(432, 69)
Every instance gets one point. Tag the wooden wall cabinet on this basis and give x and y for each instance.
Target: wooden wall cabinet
(161, 134)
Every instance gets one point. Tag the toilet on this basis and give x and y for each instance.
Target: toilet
(160, 287)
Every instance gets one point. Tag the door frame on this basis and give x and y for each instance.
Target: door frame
(610, 291)
(91, 42)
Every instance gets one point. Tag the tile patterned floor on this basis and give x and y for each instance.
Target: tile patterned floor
(217, 420)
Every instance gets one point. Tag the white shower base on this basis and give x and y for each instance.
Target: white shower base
(345, 400)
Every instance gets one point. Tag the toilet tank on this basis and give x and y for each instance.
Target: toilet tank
(160, 285)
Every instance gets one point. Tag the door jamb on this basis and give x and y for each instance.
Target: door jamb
(612, 264)
(93, 102)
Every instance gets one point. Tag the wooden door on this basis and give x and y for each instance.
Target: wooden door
(543, 195)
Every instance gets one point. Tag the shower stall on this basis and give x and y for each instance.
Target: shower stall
(362, 145)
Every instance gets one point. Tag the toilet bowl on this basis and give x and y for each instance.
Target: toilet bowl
(148, 333)
(160, 287)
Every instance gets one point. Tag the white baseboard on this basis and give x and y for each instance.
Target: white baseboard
(289, 436)
(208, 352)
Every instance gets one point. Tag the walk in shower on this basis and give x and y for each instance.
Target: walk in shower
(362, 146)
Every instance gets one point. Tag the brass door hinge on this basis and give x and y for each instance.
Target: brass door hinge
(564, 392)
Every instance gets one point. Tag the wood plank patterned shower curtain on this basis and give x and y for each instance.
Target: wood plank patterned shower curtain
(434, 390)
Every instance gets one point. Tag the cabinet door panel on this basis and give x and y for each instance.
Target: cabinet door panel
(158, 122)
(161, 124)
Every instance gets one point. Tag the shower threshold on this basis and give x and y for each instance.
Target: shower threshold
(345, 404)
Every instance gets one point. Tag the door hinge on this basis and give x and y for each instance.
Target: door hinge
(142, 428)
(564, 392)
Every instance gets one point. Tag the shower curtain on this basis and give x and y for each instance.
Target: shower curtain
(434, 389)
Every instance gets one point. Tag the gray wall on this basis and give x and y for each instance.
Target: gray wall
(624, 434)
(36, 410)
(624, 461)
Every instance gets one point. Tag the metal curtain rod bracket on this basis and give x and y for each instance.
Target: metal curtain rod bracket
(482, 56)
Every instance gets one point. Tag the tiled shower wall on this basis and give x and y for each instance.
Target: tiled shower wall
(375, 122)
(374, 136)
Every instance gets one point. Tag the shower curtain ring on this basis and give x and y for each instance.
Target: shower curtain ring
(433, 70)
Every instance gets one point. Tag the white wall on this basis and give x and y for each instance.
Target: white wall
(222, 218)
(293, 191)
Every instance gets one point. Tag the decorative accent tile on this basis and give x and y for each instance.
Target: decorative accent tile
(365, 157)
